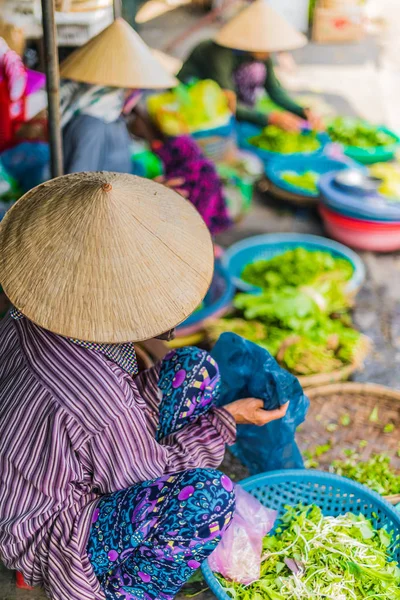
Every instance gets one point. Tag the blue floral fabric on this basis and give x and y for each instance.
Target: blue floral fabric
(189, 381)
(247, 370)
(146, 541)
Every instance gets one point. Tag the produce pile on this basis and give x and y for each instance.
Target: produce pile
(274, 139)
(187, 109)
(302, 317)
(313, 557)
(352, 132)
(376, 473)
(390, 175)
(306, 181)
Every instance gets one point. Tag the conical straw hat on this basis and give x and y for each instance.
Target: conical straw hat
(117, 57)
(170, 63)
(259, 28)
(105, 257)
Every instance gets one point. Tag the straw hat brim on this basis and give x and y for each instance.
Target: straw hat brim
(105, 257)
(259, 28)
(117, 57)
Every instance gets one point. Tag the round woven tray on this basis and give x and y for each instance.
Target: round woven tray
(267, 186)
(329, 403)
(313, 381)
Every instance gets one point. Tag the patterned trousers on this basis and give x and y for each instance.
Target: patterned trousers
(147, 541)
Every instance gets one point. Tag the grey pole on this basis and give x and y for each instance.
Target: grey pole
(53, 86)
(117, 9)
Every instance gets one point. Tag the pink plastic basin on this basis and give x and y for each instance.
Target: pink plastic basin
(364, 235)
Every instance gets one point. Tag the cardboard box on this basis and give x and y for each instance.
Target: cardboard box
(13, 36)
(338, 25)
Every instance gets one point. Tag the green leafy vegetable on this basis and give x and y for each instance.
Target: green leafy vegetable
(274, 139)
(390, 175)
(313, 557)
(297, 267)
(345, 420)
(374, 416)
(302, 317)
(389, 428)
(305, 181)
(377, 472)
(352, 132)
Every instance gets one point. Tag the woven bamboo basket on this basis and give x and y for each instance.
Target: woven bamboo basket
(330, 402)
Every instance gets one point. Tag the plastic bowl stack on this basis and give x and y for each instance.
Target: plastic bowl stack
(361, 219)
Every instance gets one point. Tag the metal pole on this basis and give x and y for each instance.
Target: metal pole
(117, 9)
(53, 86)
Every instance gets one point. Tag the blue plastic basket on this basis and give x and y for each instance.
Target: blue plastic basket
(299, 165)
(372, 207)
(217, 301)
(263, 247)
(28, 163)
(245, 131)
(333, 494)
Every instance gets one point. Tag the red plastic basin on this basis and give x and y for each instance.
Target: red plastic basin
(377, 236)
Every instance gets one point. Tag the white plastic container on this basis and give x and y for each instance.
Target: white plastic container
(295, 11)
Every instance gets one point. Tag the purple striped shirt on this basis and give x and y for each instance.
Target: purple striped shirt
(73, 426)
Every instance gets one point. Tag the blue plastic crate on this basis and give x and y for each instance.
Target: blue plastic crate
(266, 246)
(334, 495)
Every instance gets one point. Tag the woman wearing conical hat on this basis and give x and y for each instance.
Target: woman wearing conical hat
(108, 486)
(240, 60)
(103, 84)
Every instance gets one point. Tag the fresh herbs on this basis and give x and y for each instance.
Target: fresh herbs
(274, 139)
(352, 132)
(377, 472)
(390, 176)
(297, 267)
(313, 557)
(305, 181)
(303, 314)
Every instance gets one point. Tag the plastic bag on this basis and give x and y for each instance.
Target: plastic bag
(238, 556)
(28, 163)
(186, 109)
(247, 370)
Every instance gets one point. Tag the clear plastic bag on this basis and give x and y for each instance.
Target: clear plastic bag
(238, 556)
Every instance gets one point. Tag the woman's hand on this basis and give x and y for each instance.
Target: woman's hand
(286, 121)
(315, 121)
(250, 411)
(173, 184)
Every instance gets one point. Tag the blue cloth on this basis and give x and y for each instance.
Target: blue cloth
(28, 163)
(247, 370)
(90, 144)
(147, 541)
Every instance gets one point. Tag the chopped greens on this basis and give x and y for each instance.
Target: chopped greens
(297, 267)
(377, 472)
(359, 134)
(274, 139)
(302, 316)
(306, 181)
(390, 175)
(314, 557)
